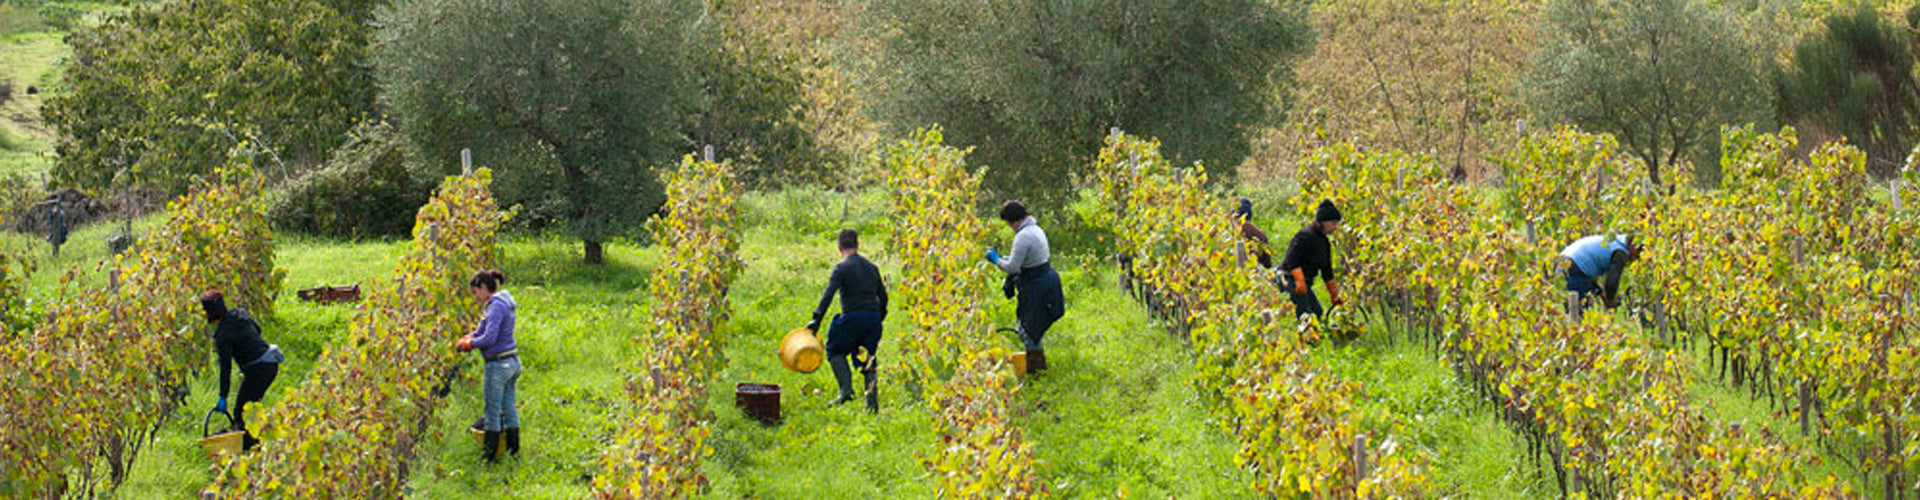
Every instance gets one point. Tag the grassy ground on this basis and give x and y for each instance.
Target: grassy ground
(27, 59)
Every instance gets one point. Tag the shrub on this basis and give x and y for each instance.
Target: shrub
(365, 190)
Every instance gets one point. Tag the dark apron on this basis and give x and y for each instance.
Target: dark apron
(1041, 302)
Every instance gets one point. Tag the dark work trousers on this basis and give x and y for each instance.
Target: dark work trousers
(855, 334)
(1306, 303)
(1041, 303)
(255, 379)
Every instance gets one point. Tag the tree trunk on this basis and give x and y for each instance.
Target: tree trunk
(595, 252)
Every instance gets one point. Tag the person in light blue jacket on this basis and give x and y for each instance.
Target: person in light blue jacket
(1594, 266)
(494, 338)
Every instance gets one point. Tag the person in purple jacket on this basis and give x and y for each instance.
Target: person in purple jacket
(494, 339)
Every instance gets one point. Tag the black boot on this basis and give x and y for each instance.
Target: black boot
(479, 424)
(844, 375)
(513, 441)
(247, 442)
(492, 444)
(1036, 361)
(873, 391)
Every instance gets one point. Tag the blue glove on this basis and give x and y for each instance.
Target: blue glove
(993, 256)
(221, 406)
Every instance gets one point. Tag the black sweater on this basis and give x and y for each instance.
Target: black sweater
(859, 285)
(1311, 253)
(237, 338)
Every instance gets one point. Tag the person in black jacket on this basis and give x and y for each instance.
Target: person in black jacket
(1310, 255)
(1252, 236)
(856, 330)
(236, 339)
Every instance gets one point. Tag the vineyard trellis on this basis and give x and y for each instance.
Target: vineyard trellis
(1598, 395)
(1300, 429)
(350, 428)
(656, 453)
(948, 347)
(1801, 283)
(105, 365)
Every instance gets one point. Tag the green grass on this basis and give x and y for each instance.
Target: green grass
(1115, 415)
(27, 60)
(1474, 454)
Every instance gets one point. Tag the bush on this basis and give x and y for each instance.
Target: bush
(365, 190)
(1855, 79)
(164, 91)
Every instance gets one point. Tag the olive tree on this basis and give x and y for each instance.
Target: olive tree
(1662, 76)
(570, 101)
(1034, 85)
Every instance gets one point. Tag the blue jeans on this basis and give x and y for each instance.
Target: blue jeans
(499, 412)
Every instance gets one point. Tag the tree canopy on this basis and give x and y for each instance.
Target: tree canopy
(570, 101)
(1034, 85)
(1660, 75)
(165, 91)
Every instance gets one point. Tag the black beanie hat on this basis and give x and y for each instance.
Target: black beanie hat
(1326, 212)
(214, 304)
(1245, 210)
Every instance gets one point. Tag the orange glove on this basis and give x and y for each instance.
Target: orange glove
(1299, 281)
(1333, 294)
(465, 343)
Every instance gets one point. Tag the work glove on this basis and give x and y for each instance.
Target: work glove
(221, 406)
(1300, 282)
(993, 256)
(464, 344)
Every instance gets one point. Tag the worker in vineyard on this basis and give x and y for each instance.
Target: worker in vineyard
(1594, 266)
(1256, 239)
(1030, 279)
(237, 339)
(855, 332)
(57, 225)
(1310, 256)
(499, 414)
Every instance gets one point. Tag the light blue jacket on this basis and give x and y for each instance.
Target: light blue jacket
(1592, 254)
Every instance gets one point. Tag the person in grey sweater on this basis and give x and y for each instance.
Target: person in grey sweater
(1030, 278)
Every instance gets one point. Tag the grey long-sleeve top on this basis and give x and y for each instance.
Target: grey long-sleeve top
(1029, 248)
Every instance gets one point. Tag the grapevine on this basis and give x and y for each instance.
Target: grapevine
(657, 451)
(349, 428)
(1300, 429)
(105, 366)
(980, 453)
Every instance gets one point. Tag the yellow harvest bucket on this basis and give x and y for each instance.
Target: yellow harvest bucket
(1019, 362)
(224, 444)
(801, 351)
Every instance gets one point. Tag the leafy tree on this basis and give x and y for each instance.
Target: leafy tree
(164, 91)
(1035, 84)
(1856, 79)
(1660, 75)
(571, 100)
(1426, 76)
(755, 111)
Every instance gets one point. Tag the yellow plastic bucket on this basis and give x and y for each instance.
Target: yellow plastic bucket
(801, 351)
(1019, 362)
(224, 444)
